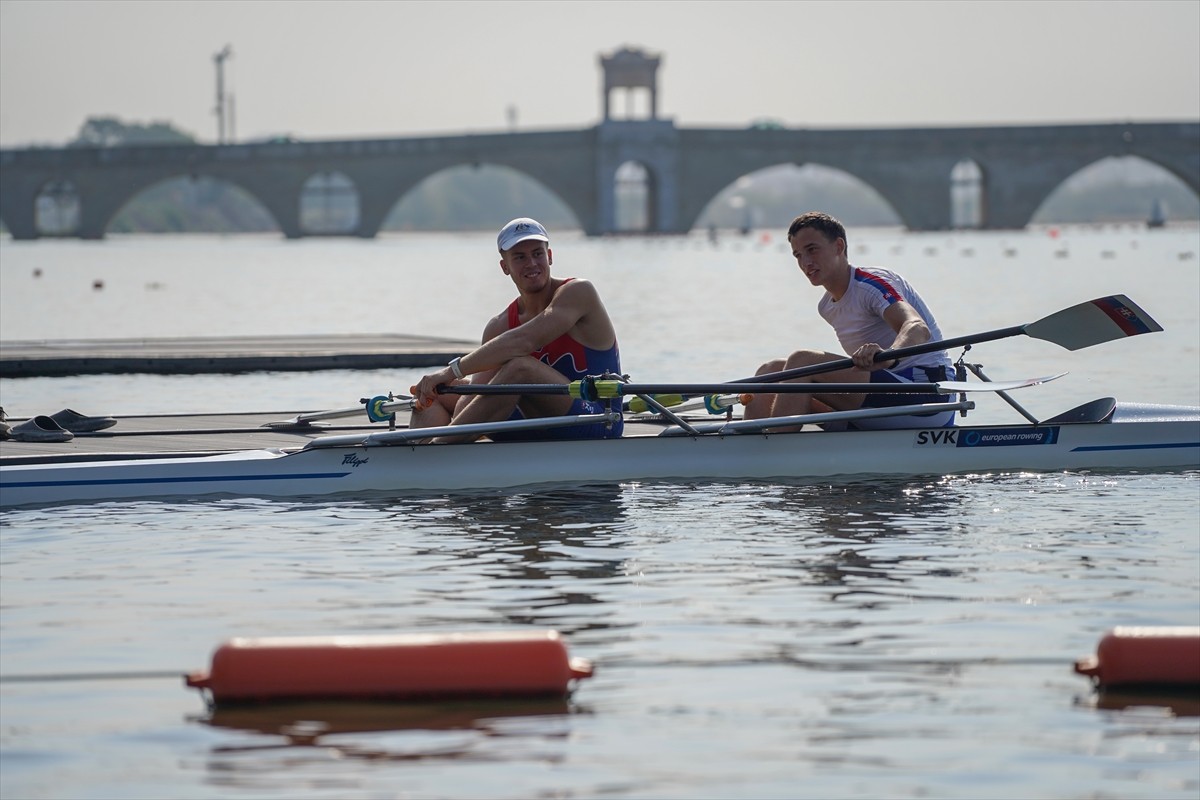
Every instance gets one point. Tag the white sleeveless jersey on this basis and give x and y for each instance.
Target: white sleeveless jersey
(857, 318)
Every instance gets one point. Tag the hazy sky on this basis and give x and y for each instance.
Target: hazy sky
(316, 69)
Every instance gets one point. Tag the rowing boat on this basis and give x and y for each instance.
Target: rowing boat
(662, 445)
(1098, 435)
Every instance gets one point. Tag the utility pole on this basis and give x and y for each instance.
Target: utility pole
(219, 59)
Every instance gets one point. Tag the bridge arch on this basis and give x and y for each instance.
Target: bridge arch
(843, 179)
(57, 207)
(100, 208)
(968, 208)
(329, 204)
(1118, 187)
(635, 197)
(500, 193)
(773, 196)
(156, 207)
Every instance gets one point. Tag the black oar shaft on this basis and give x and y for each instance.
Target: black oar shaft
(885, 355)
(768, 387)
(505, 388)
(627, 389)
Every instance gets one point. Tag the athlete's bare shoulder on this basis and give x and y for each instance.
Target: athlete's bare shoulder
(495, 326)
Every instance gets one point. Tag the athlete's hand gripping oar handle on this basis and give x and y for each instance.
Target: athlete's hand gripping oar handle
(1094, 322)
(883, 355)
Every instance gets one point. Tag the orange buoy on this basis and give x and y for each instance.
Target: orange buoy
(392, 667)
(1145, 656)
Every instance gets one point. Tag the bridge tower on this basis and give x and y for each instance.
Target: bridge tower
(637, 156)
(629, 69)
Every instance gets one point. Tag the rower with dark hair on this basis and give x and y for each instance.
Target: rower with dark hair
(871, 309)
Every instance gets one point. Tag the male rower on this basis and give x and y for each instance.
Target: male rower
(556, 331)
(871, 309)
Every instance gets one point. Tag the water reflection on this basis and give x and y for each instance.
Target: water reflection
(887, 531)
(858, 525)
(325, 735)
(583, 541)
(537, 557)
(306, 723)
(1182, 702)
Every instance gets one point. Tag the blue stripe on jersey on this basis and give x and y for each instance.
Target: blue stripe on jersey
(889, 292)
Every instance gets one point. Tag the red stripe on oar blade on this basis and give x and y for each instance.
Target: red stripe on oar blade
(1126, 318)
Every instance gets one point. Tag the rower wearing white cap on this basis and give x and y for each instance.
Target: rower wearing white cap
(556, 331)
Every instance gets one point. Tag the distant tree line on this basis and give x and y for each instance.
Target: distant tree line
(112, 132)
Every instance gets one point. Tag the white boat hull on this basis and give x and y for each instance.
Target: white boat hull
(1137, 437)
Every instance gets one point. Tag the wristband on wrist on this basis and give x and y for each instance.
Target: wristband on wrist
(455, 367)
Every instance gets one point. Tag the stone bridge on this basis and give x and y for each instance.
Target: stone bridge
(910, 168)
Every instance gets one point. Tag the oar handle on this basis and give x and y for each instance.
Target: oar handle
(885, 355)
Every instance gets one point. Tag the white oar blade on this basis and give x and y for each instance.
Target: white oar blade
(953, 387)
(1094, 322)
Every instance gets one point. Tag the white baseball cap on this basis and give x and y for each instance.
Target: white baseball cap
(519, 230)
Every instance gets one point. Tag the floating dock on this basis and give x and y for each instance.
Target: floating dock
(226, 354)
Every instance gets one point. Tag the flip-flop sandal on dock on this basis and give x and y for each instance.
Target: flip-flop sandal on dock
(40, 429)
(80, 423)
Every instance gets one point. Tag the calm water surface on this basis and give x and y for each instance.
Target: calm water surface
(905, 638)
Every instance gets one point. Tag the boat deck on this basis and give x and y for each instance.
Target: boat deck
(179, 433)
(200, 434)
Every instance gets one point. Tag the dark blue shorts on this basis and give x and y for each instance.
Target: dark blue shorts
(597, 430)
(880, 400)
